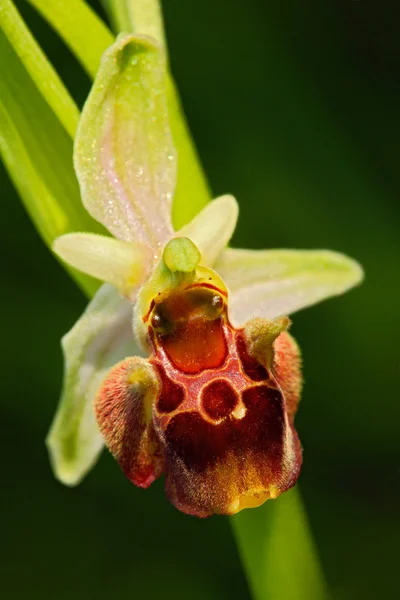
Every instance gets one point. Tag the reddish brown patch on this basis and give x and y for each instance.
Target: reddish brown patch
(196, 345)
(200, 444)
(172, 394)
(219, 399)
(252, 368)
(266, 422)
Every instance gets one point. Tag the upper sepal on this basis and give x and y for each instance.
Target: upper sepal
(124, 154)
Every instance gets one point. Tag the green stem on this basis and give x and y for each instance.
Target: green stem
(278, 552)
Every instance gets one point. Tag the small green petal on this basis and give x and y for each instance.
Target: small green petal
(124, 155)
(34, 143)
(99, 339)
(212, 228)
(123, 264)
(272, 283)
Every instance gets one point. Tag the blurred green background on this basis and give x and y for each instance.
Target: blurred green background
(294, 109)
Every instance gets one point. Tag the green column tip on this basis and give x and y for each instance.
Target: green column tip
(180, 254)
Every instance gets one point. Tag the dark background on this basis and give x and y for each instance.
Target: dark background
(294, 108)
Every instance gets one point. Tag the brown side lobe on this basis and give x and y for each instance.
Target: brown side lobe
(122, 419)
(251, 367)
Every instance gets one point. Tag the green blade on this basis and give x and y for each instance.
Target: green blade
(81, 29)
(37, 151)
(39, 68)
(278, 552)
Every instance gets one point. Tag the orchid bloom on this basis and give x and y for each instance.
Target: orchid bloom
(181, 364)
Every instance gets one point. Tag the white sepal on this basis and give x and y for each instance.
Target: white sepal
(273, 283)
(100, 338)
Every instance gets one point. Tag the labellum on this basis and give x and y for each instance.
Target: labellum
(213, 405)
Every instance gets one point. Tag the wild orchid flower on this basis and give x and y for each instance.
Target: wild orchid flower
(181, 364)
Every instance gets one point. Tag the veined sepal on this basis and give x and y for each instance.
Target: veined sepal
(274, 283)
(124, 154)
(99, 339)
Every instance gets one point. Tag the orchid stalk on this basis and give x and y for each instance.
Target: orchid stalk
(181, 363)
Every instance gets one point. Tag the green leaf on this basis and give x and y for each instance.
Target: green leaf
(98, 340)
(37, 150)
(78, 25)
(40, 70)
(192, 192)
(272, 283)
